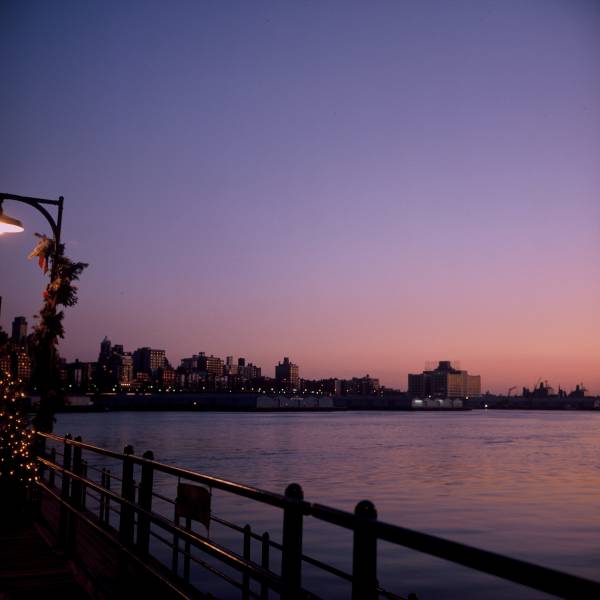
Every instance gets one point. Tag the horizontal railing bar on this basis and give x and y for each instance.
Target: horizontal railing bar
(325, 567)
(161, 538)
(161, 497)
(232, 526)
(534, 576)
(229, 486)
(239, 489)
(112, 539)
(217, 572)
(82, 445)
(93, 496)
(388, 595)
(335, 516)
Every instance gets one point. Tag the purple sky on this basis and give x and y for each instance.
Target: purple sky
(363, 186)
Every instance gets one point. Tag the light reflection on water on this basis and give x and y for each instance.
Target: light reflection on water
(522, 483)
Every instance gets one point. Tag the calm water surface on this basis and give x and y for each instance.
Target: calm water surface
(522, 483)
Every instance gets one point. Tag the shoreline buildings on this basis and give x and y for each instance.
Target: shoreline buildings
(445, 381)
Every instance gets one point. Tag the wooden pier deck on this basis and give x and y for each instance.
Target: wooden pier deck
(30, 568)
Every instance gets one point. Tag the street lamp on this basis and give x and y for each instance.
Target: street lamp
(46, 351)
(11, 225)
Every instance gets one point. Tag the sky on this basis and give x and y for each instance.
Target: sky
(360, 186)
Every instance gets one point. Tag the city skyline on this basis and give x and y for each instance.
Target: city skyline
(288, 377)
(360, 189)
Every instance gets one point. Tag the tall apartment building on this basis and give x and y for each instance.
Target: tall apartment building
(19, 330)
(201, 372)
(122, 368)
(80, 374)
(115, 366)
(21, 365)
(287, 375)
(213, 365)
(149, 360)
(231, 367)
(5, 364)
(444, 381)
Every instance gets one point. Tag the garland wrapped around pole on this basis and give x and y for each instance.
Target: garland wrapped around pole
(60, 291)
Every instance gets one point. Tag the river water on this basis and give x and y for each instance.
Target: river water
(523, 483)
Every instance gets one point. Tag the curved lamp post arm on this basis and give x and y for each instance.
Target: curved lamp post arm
(38, 203)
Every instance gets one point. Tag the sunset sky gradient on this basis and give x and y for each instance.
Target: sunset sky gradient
(361, 186)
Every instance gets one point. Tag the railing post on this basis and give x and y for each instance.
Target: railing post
(364, 559)
(52, 472)
(264, 563)
(175, 555)
(84, 472)
(39, 447)
(187, 549)
(145, 502)
(126, 522)
(107, 500)
(291, 557)
(102, 496)
(75, 496)
(64, 491)
(246, 555)
(76, 485)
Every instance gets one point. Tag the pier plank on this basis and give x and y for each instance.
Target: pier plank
(29, 568)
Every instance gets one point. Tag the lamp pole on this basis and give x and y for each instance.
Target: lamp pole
(46, 351)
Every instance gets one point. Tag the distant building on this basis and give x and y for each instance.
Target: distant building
(444, 381)
(330, 387)
(248, 371)
(21, 365)
(122, 368)
(363, 386)
(213, 365)
(578, 392)
(543, 391)
(105, 350)
(189, 364)
(231, 367)
(201, 372)
(5, 364)
(149, 360)
(19, 330)
(287, 375)
(141, 381)
(115, 366)
(79, 375)
(166, 377)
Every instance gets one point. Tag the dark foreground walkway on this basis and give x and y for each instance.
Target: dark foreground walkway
(29, 568)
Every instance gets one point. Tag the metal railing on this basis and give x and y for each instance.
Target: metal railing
(137, 524)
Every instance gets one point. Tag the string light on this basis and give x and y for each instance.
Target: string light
(17, 457)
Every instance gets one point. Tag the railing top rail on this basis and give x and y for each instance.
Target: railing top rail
(239, 489)
(83, 445)
(518, 571)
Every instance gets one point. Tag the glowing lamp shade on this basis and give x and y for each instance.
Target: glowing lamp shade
(9, 225)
